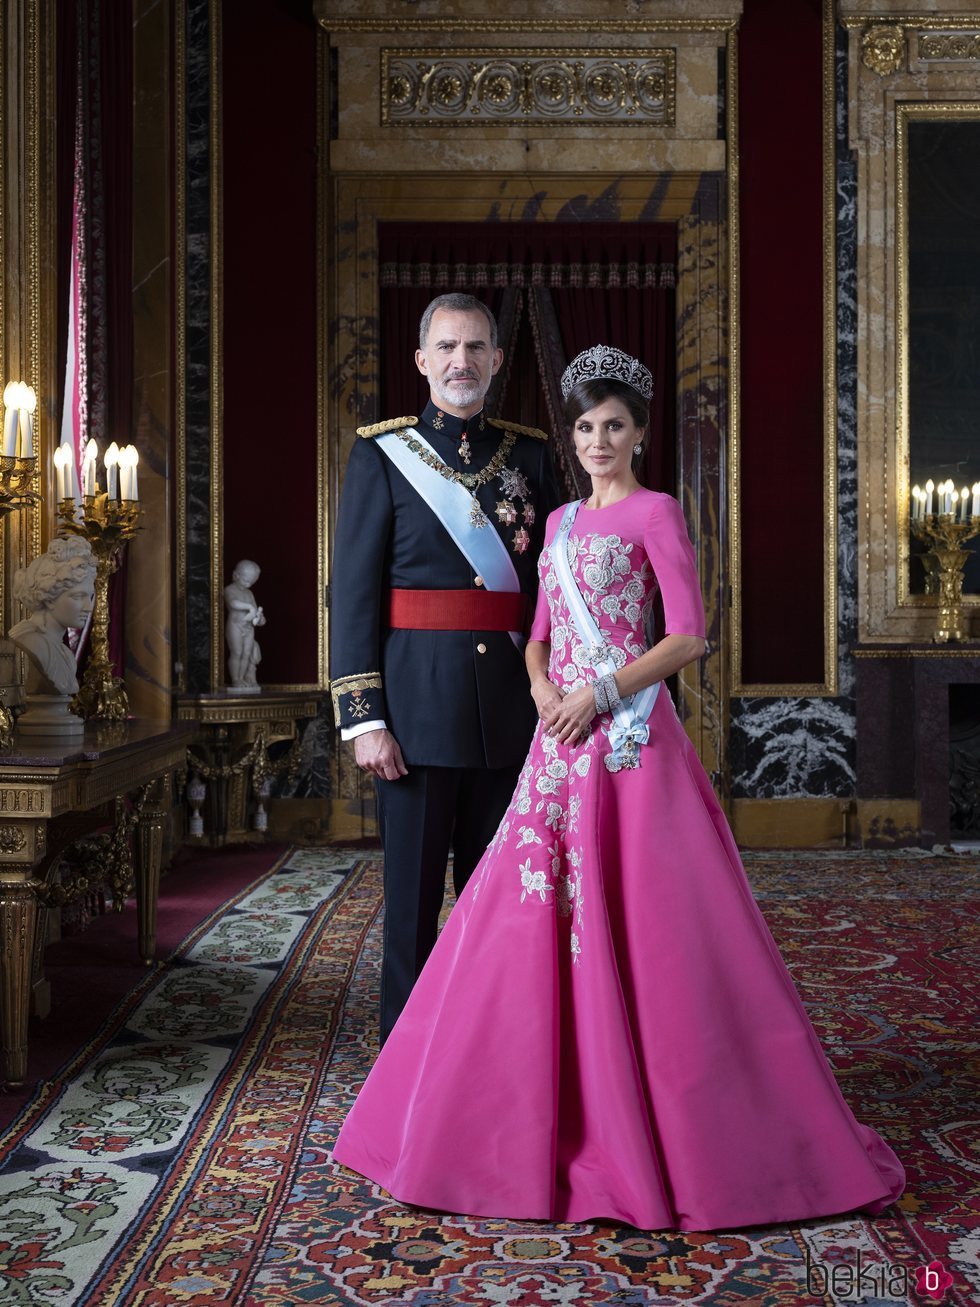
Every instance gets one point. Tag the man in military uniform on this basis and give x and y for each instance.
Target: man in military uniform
(434, 576)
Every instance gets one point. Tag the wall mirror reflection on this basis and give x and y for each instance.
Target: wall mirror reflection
(939, 154)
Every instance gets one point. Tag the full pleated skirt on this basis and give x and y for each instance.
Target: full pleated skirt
(606, 1028)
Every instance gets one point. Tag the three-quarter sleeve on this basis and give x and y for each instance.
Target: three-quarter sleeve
(541, 625)
(671, 554)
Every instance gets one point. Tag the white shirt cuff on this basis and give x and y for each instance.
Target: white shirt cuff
(348, 732)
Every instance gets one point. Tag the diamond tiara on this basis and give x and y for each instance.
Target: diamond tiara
(609, 363)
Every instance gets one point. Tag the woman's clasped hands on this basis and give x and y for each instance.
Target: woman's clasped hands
(565, 715)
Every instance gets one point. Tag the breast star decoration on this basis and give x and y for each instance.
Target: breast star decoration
(513, 485)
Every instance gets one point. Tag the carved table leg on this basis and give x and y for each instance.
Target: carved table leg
(40, 985)
(149, 856)
(18, 923)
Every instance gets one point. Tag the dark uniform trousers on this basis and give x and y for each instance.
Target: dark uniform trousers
(457, 701)
(422, 816)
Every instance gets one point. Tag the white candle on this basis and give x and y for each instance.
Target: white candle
(59, 472)
(64, 458)
(964, 503)
(88, 467)
(130, 472)
(11, 420)
(930, 487)
(26, 447)
(954, 502)
(28, 405)
(975, 506)
(916, 509)
(134, 458)
(111, 460)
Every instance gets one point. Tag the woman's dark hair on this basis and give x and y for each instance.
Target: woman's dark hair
(596, 390)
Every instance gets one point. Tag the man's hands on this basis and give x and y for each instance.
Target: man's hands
(566, 717)
(378, 752)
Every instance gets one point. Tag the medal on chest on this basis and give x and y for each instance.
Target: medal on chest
(513, 485)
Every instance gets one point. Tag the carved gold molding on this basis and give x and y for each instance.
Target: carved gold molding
(929, 22)
(28, 305)
(180, 330)
(508, 87)
(883, 48)
(12, 839)
(592, 26)
(829, 685)
(323, 468)
(16, 800)
(217, 349)
(950, 46)
(904, 651)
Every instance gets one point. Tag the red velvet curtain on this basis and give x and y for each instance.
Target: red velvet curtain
(556, 288)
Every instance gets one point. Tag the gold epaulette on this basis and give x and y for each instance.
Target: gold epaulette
(516, 426)
(379, 428)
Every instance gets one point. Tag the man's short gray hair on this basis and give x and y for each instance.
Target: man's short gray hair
(456, 302)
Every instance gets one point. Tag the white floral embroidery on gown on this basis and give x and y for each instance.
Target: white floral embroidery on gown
(542, 824)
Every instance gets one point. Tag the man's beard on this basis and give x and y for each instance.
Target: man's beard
(461, 396)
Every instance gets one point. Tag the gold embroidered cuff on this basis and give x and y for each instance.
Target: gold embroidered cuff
(358, 706)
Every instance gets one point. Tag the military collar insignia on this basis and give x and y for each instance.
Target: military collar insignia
(450, 425)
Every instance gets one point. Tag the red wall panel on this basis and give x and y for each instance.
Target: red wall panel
(781, 340)
(270, 330)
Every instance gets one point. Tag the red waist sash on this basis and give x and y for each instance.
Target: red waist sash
(456, 610)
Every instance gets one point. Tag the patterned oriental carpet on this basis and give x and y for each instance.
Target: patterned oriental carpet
(184, 1156)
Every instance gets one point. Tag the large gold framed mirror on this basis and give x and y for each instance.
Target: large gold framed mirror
(938, 312)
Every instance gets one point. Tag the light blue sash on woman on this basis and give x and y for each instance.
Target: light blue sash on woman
(460, 513)
(629, 728)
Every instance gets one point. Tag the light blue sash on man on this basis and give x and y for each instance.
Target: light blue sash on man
(629, 728)
(453, 505)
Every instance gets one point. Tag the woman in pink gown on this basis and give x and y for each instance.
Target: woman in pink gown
(606, 1028)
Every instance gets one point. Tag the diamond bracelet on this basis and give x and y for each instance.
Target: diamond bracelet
(605, 693)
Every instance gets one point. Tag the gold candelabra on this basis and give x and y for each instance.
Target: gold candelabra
(943, 562)
(17, 462)
(16, 479)
(106, 524)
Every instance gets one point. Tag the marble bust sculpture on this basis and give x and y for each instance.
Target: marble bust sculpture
(58, 588)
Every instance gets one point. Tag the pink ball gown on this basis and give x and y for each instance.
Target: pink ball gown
(606, 1028)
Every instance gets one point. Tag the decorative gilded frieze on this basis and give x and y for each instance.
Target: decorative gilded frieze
(477, 88)
(949, 46)
(12, 839)
(883, 48)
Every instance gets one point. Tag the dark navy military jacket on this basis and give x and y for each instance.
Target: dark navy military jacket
(450, 698)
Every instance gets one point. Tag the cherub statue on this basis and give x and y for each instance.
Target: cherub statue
(244, 615)
(58, 588)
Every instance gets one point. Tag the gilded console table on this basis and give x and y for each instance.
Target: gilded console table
(235, 730)
(51, 793)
